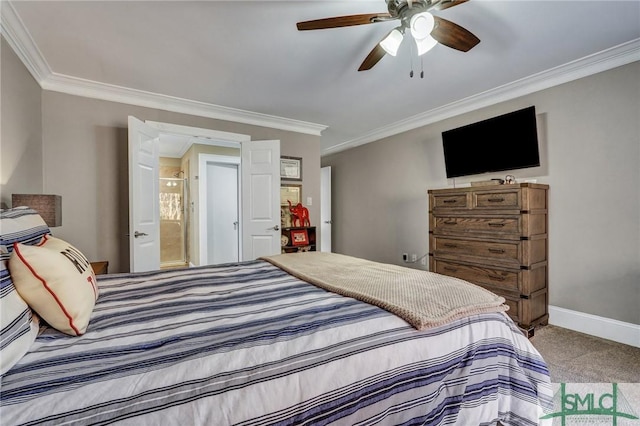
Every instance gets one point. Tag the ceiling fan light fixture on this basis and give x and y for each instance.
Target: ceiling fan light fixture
(425, 45)
(421, 25)
(392, 41)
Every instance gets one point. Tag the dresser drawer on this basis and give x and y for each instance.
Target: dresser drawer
(502, 227)
(502, 252)
(497, 199)
(515, 307)
(449, 201)
(528, 312)
(495, 278)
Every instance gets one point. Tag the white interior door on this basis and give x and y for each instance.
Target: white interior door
(144, 203)
(325, 209)
(223, 229)
(260, 199)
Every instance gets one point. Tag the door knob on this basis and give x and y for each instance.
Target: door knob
(275, 228)
(328, 221)
(139, 234)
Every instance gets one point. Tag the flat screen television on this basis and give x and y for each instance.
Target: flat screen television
(506, 142)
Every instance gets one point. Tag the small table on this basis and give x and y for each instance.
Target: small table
(101, 267)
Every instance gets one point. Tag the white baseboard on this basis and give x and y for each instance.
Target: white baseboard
(607, 328)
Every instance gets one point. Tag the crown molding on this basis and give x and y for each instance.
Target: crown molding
(602, 61)
(108, 92)
(13, 30)
(16, 34)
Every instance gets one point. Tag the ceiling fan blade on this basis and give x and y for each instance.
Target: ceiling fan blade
(446, 4)
(453, 35)
(373, 57)
(343, 21)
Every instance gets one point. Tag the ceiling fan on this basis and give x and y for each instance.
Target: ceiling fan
(426, 29)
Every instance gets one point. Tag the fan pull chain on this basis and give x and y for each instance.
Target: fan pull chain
(411, 59)
(421, 68)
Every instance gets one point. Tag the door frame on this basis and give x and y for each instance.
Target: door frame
(203, 160)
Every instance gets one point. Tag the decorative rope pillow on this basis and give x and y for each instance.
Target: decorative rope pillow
(57, 281)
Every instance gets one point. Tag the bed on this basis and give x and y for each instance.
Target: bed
(252, 344)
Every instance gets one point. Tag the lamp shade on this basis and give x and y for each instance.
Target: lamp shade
(48, 206)
(391, 42)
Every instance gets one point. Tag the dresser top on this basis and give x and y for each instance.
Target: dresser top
(503, 187)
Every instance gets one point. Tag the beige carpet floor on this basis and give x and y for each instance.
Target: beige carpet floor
(574, 357)
(589, 364)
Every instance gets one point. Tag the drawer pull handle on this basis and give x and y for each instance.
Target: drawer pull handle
(496, 200)
(450, 201)
(497, 225)
(449, 245)
(497, 278)
(450, 269)
(450, 222)
(495, 250)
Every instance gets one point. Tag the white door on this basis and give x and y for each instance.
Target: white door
(144, 203)
(223, 229)
(325, 209)
(260, 199)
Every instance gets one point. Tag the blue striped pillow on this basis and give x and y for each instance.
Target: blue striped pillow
(20, 225)
(18, 324)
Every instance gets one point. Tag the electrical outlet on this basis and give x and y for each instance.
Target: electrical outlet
(423, 261)
(414, 257)
(405, 257)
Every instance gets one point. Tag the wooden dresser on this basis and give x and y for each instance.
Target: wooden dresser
(496, 237)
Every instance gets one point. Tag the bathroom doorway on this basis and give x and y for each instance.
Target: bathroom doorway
(174, 217)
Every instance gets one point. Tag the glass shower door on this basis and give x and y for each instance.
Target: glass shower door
(173, 222)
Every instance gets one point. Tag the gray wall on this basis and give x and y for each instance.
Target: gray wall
(590, 145)
(21, 128)
(85, 161)
(77, 148)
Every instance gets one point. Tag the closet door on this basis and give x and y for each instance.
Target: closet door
(260, 199)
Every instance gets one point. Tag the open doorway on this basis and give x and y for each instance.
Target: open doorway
(186, 152)
(259, 191)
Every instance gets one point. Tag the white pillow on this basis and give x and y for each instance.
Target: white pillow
(57, 281)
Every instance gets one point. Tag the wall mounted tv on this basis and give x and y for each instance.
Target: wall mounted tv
(506, 142)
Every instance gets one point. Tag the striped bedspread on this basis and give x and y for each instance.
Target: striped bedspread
(249, 344)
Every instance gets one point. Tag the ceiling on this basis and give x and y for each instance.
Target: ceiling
(246, 61)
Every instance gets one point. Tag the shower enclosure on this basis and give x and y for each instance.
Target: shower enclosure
(173, 222)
